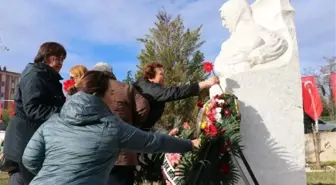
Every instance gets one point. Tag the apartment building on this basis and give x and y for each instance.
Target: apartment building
(8, 86)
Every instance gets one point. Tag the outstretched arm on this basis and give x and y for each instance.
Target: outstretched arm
(135, 139)
(162, 94)
(34, 153)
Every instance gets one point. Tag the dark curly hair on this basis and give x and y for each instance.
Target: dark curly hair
(149, 70)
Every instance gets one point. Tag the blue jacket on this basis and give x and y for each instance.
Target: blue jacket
(79, 145)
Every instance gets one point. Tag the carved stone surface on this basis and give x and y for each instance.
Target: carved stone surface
(259, 63)
(255, 43)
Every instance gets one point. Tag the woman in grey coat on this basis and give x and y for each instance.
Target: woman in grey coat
(79, 145)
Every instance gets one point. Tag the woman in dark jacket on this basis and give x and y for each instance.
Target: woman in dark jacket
(39, 96)
(151, 86)
(81, 144)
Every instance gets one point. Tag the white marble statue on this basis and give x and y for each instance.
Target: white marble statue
(259, 63)
(254, 43)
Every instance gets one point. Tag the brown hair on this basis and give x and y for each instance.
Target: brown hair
(93, 82)
(78, 70)
(50, 49)
(149, 70)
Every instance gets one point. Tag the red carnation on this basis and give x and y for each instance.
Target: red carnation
(199, 104)
(224, 168)
(227, 112)
(223, 131)
(186, 126)
(67, 84)
(207, 66)
(211, 130)
(223, 149)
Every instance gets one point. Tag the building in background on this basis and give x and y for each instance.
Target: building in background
(9, 82)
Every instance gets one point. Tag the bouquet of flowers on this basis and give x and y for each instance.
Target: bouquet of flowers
(67, 84)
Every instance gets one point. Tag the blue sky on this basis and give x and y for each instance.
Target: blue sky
(105, 30)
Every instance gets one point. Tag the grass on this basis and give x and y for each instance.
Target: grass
(3, 178)
(321, 178)
(313, 178)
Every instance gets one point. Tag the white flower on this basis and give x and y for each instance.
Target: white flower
(220, 101)
(150, 156)
(138, 167)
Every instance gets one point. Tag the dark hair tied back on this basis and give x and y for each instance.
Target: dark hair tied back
(72, 90)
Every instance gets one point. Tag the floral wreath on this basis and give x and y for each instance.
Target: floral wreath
(218, 122)
(218, 128)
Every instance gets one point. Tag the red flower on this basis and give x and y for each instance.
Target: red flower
(223, 149)
(208, 66)
(227, 112)
(211, 130)
(217, 96)
(211, 117)
(229, 143)
(67, 84)
(224, 168)
(199, 104)
(223, 131)
(186, 125)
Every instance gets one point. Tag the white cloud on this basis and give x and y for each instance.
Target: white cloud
(25, 25)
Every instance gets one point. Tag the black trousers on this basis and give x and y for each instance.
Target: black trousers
(21, 177)
(122, 175)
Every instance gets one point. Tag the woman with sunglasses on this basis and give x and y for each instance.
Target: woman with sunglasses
(39, 96)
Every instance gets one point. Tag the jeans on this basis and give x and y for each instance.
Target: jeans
(122, 175)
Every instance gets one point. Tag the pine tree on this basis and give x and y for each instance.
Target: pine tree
(178, 50)
(129, 78)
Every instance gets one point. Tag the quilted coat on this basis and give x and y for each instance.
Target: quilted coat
(80, 145)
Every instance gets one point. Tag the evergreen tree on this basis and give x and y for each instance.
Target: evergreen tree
(129, 78)
(177, 49)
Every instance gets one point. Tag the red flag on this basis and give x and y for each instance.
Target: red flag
(312, 104)
(12, 113)
(333, 85)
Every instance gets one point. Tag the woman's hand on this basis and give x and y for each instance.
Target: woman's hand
(196, 143)
(173, 132)
(209, 82)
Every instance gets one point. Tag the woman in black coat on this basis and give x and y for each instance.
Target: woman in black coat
(39, 96)
(151, 86)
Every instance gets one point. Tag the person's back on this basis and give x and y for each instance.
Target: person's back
(130, 106)
(81, 144)
(78, 147)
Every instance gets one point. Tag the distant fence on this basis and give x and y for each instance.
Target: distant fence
(328, 147)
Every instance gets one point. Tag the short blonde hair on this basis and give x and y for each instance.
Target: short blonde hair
(78, 71)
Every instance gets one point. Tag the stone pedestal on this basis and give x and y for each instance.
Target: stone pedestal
(272, 123)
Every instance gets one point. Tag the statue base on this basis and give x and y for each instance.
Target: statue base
(271, 122)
